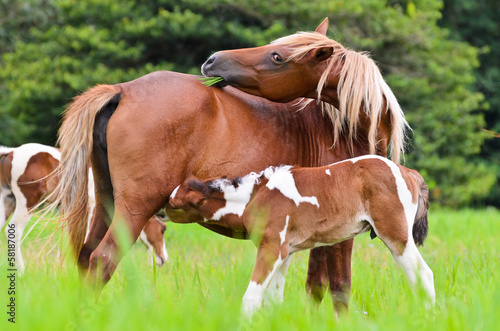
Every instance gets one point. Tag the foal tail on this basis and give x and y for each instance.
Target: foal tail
(76, 141)
(421, 224)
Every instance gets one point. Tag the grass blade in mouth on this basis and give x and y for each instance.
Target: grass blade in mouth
(209, 81)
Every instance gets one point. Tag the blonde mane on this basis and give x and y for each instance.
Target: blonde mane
(361, 87)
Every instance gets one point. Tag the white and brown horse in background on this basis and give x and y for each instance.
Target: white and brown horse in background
(27, 175)
(145, 137)
(288, 209)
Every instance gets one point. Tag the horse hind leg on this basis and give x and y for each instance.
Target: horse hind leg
(416, 269)
(393, 231)
(124, 230)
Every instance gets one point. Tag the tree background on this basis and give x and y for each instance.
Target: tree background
(442, 65)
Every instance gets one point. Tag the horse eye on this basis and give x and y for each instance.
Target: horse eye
(276, 57)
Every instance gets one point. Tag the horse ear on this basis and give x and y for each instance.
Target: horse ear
(322, 53)
(323, 27)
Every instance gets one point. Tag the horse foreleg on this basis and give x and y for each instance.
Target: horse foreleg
(270, 258)
(277, 285)
(317, 274)
(338, 260)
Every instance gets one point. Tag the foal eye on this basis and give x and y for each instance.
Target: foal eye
(276, 57)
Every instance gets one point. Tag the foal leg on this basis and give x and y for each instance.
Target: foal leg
(415, 268)
(277, 284)
(395, 232)
(270, 258)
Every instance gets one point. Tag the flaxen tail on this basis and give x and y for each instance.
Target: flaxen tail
(76, 141)
(421, 224)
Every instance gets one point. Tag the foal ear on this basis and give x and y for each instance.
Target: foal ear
(196, 199)
(323, 27)
(322, 53)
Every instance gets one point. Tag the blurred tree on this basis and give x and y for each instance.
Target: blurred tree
(478, 23)
(106, 41)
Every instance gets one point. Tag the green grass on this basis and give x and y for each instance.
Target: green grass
(202, 284)
(209, 81)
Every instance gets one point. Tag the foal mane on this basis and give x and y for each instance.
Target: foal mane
(361, 86)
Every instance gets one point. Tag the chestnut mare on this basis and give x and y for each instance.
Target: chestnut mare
(145, 137)
(26, 177)
(288, 209)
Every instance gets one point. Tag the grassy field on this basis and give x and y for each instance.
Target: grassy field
(202, 284)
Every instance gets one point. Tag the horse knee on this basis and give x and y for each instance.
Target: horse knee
(102, 262)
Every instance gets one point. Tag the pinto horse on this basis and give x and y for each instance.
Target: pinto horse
(26, 176)
(145, 137)
(290, 209)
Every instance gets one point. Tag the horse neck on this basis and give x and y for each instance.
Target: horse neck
(371, 139)
(313, 133)
(381, 130)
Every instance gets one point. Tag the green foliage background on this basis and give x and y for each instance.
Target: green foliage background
(54, 49)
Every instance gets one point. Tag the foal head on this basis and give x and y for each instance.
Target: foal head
(197, 196)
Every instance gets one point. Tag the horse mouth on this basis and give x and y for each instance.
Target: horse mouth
(222, 83)
(160, 261)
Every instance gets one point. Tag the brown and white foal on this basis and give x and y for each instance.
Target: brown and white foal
(291, 209)
(26, 177)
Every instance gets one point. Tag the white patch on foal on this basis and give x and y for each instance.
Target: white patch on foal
(236, 198)
(282, 179)
(255, 292)
(283, 232)
(174, 192)
(327, 171)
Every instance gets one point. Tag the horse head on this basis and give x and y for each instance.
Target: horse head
(153, 237)
(310, 65)
(274, 71)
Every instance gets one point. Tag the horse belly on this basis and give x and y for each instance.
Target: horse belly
(331, 229)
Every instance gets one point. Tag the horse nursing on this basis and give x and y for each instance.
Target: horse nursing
(145, 137)
(291, 209)
(27, 175)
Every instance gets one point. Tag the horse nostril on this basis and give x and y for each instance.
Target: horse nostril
(208, 64)
(210, 60)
